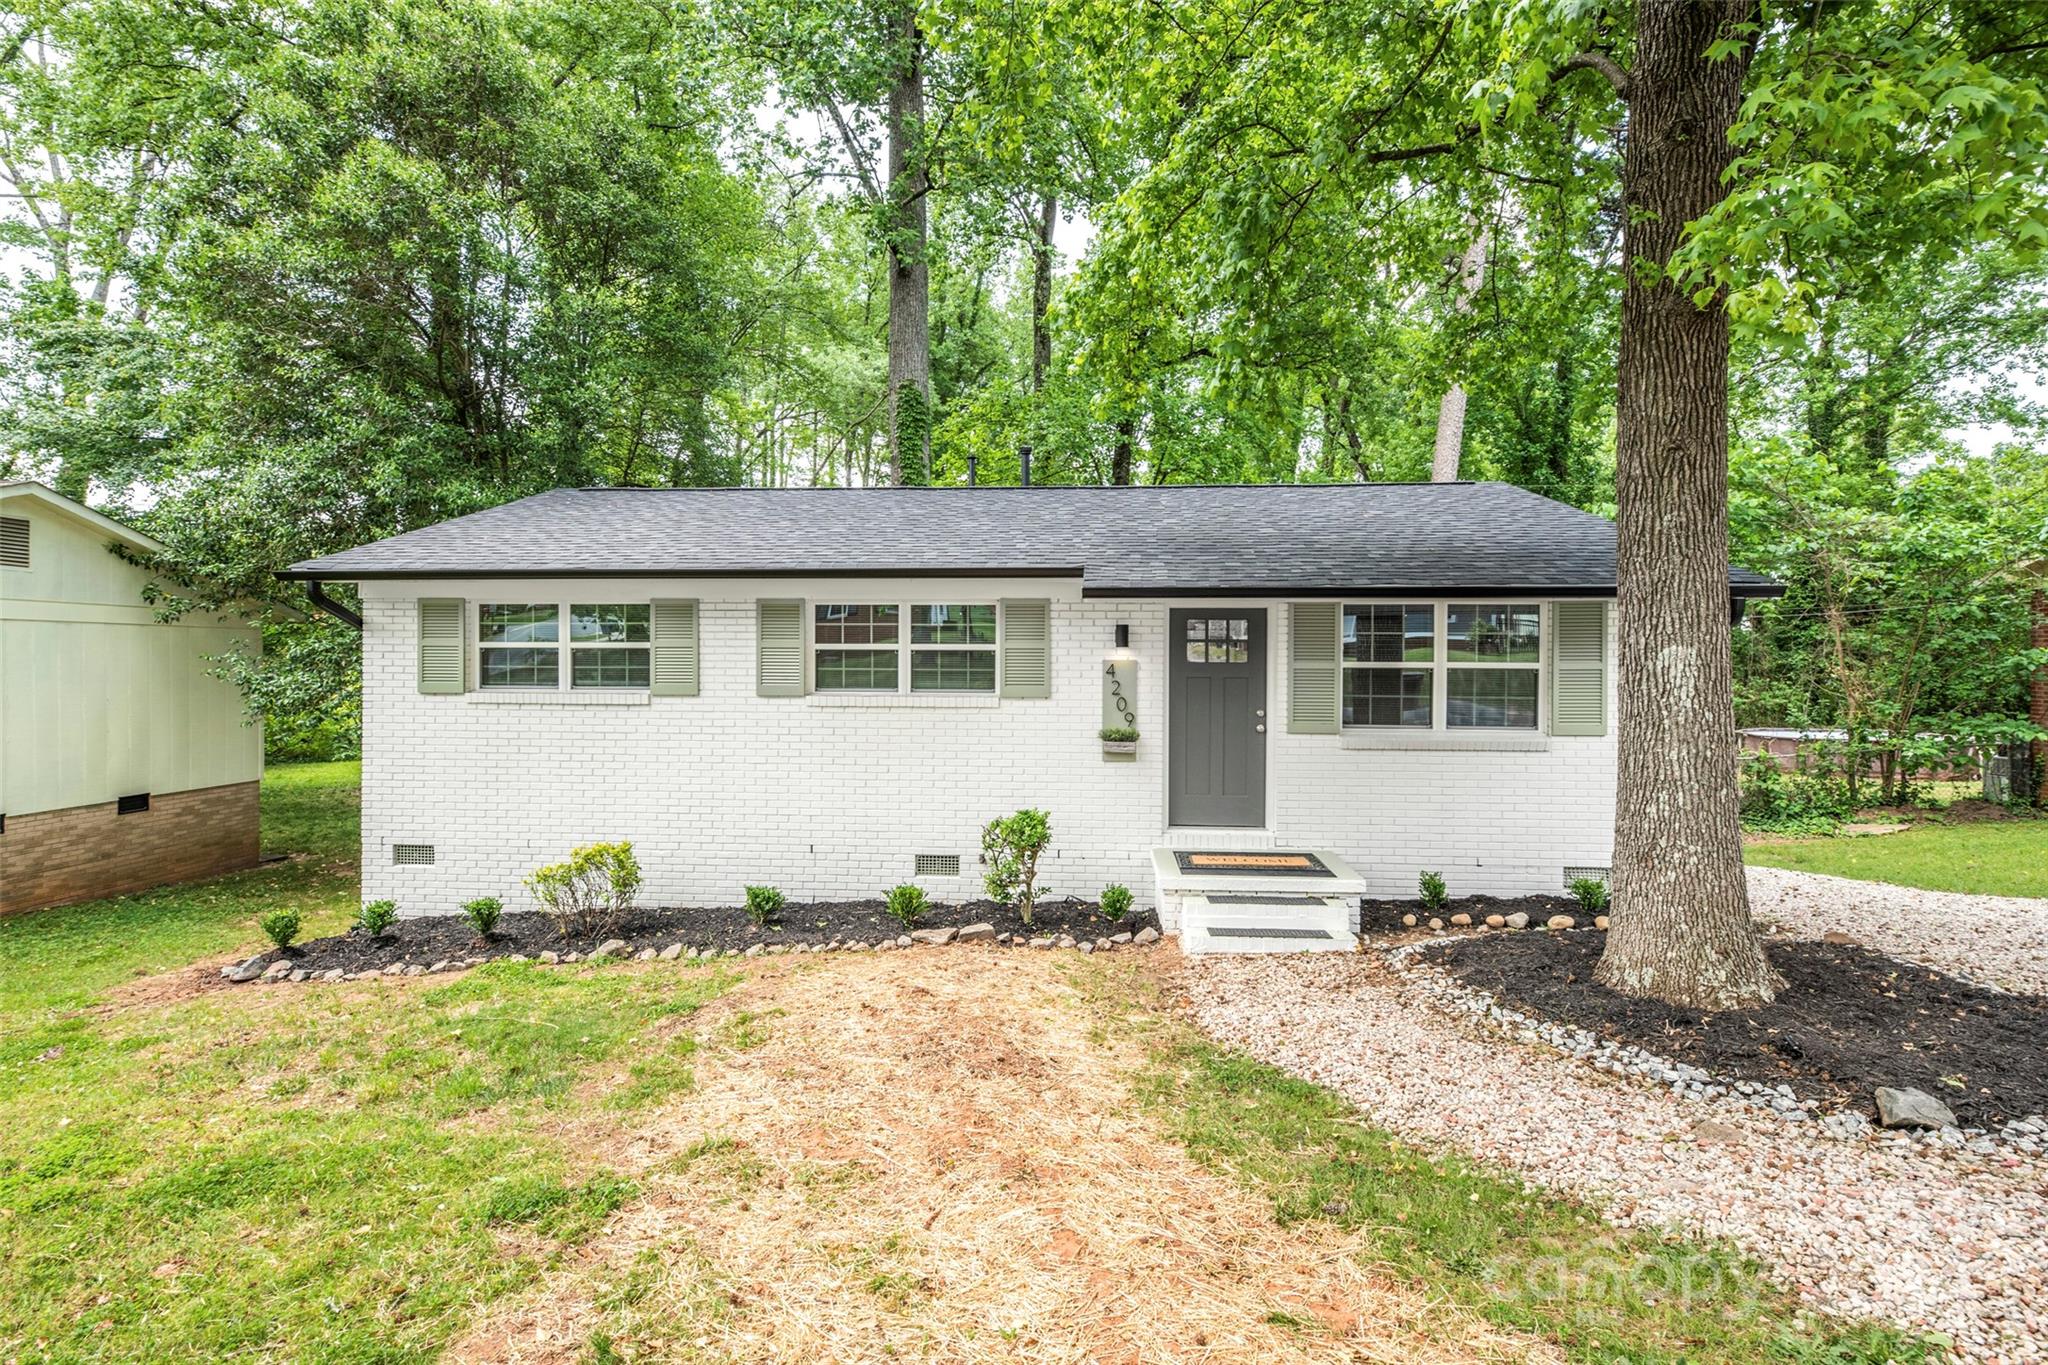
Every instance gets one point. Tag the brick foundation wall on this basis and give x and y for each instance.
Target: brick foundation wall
(56, 857)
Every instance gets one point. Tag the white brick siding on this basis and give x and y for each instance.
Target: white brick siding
(833, 797)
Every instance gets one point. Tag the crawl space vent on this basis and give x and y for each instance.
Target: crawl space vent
(1572, 874)
(13, 543)
(414, 855)
(937, 865)
(131, 805)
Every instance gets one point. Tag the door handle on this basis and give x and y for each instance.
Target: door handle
(1261, 714)
(1260, 728)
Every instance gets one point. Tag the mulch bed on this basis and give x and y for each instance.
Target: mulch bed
(428, 939)
(1384, 916)
(1848, 1021)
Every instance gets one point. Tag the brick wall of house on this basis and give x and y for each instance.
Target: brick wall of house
(830, 796)
(82, 853)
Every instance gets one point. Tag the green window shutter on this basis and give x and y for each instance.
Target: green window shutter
(442, 668)
(673, 631)
(1312, 668)
(1578, 668)
(1027, 647)
(779, 648)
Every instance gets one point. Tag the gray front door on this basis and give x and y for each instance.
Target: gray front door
(1216, 721)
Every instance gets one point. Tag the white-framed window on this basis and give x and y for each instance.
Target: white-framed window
(1390, 661)
(521, 644)
(860, 646)
(1442, 666)
(1493, 665)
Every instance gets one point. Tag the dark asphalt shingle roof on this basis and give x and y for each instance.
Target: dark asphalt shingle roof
(1183, 539)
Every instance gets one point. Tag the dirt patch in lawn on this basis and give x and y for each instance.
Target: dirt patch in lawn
(934, 1157)
(428, 939)
(1848, 1021)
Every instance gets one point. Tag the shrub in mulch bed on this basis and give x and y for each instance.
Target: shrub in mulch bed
(1849, 1020)
(1384, 916)
(433, 938)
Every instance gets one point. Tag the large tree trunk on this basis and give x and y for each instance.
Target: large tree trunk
(1681, 927)
(1120, 455)
(1450, 411)
(1041, 291)
(910, 346)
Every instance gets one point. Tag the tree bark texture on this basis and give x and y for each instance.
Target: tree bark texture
(910, 346)
(1450, 411)
(1041, 291)
(1681, 925)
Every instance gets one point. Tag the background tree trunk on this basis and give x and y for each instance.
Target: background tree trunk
(1450, 411)
(1120, 454)
(1041, 291)
(1682, 930)
(910, 345)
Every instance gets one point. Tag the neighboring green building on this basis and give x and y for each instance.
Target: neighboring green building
(123, 762)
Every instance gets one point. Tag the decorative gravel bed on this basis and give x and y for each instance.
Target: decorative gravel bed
(1931, 1236)
(1849, 1020)
(440, 942)
(1997, 940)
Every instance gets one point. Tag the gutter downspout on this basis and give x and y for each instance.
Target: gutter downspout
(317, 594)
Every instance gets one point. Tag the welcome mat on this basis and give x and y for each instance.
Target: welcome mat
(1252, 863)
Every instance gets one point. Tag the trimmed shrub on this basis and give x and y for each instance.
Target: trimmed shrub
(1115, 902)
(764, 903)
(591, 892)
(1010, 849)
(1120, 734)
(907, 904)
(1435, 895)
(482, 914)
(377, 917)
(280, 927)
(1590, 893)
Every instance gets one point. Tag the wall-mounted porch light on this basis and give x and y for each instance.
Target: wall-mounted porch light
(1123, 635)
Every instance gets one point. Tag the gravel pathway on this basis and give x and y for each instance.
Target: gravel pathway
(1996, 940)
(1932, 1240)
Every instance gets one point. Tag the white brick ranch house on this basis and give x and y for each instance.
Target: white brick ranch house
(832, 690)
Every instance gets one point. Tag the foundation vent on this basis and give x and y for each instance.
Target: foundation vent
(937, 865)
(13, 542)
(131, 805)
(412, 855)
(1572, 874)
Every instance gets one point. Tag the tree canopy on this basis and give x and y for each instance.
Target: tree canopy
(283, 276)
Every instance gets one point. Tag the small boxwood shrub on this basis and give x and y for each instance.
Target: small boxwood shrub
(1435, 895)
(482, 914)
(1590, 893)
(591, 892)
(764, 903)
(1115, 902)
(907, 904)
(377, 917)
(280, 927)
(1010, 848)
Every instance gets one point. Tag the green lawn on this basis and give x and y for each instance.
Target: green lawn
(1999, 858)
(332, 1174)
(351, 1173)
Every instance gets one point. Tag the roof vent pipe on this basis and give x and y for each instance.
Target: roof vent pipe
(973, 462)
(1024, 466)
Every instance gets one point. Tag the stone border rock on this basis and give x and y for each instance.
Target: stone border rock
(2028, 1135)
(619, 950)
